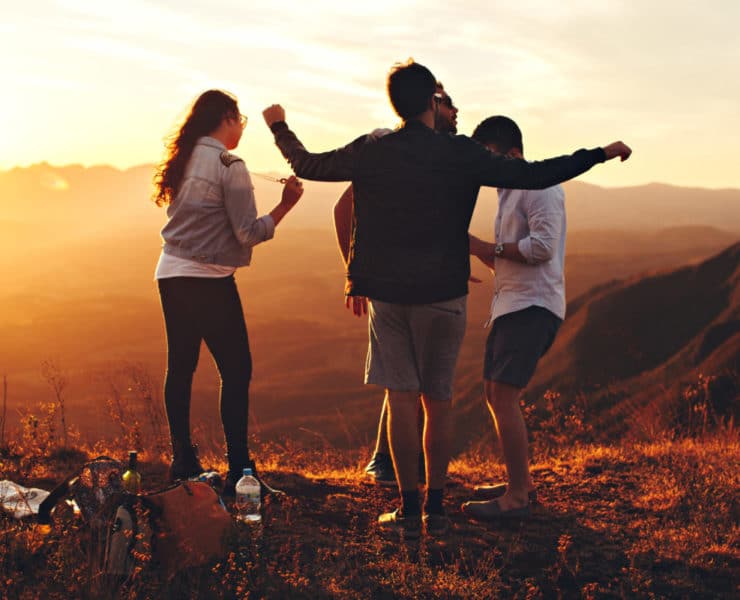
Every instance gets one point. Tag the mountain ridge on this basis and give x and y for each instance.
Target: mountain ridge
(125, 194)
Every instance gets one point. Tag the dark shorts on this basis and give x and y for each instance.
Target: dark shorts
(516, 343)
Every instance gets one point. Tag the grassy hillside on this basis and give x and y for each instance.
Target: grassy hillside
(651, 520)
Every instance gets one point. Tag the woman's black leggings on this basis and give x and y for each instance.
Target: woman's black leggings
(195, 309)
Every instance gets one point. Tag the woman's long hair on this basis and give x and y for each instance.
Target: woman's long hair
(205, 116)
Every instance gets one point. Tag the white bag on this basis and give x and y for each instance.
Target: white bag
(20, 501)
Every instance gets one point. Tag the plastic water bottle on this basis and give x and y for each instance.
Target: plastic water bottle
(248, 502)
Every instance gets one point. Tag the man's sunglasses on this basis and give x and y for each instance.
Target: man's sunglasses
(444, 99)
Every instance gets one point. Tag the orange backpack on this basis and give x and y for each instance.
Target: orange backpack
(191, 525)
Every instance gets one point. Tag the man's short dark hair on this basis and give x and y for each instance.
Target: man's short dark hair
(410, 87)
(501, 132)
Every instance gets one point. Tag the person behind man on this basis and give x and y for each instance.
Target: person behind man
(414, 195)
(380, 468)
(527, 310)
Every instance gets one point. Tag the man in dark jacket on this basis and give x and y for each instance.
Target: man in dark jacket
(414, 194)
(380, 468)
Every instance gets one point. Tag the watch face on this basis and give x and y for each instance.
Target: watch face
(499, 249)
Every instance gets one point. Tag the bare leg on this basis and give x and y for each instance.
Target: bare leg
(503, 402)
(381, 443)
(437, 440)
(404, 437)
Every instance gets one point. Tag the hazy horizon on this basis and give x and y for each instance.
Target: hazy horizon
(287, 170)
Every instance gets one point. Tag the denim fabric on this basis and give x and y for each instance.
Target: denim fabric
(213, 217)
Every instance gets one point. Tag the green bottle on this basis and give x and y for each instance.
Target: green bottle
(132, 478)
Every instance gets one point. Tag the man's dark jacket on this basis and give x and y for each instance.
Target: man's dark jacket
(414, 194)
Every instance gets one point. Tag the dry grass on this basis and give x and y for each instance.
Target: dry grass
(650, 520)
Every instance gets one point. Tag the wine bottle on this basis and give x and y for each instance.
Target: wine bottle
(131, 477)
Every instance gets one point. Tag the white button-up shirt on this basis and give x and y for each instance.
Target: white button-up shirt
(536, 220)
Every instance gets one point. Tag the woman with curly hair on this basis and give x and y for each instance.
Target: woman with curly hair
(211, 228)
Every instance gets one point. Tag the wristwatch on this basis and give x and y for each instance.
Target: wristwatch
(498, 250)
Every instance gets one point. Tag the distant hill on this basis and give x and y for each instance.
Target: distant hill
(648, 338)
(95, 199)
(641, 208)
(634, 326)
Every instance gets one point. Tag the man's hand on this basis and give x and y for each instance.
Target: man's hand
(273, 114)
(489, 261)
(357, 304)
(619, 149)
(483, 250)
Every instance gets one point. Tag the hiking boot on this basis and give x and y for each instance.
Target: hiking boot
(380, 469)
(267, 490)
(407, 526)
(185, 463)
(491, 492)
(436, 525)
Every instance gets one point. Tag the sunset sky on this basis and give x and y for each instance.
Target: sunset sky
(95, 82)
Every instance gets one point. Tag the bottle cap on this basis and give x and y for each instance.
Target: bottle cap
(247, 471)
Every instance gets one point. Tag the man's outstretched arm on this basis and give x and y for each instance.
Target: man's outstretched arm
(495, 170)
(335, 165)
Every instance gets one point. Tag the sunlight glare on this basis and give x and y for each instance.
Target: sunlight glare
(54, 182)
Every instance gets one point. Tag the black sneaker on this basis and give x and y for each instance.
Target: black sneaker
(185, 463)
(267, 490)
(436, 525)
(380, 469)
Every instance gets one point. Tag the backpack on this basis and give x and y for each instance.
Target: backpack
(190, 523)
(185, 525)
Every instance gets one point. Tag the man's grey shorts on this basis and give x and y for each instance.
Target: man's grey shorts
(516, 343)
(414, 347)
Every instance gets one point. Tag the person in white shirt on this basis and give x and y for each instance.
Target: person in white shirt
(527, 309)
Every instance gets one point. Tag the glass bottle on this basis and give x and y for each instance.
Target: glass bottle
(131, 477)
